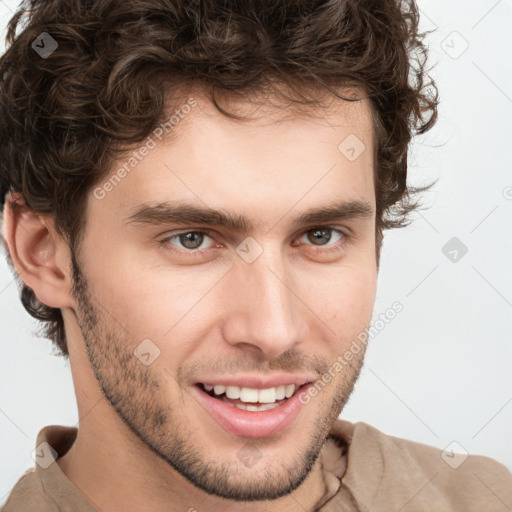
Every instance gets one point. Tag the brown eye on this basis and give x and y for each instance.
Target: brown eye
(191, 240)
(322, 236)
(319, 236)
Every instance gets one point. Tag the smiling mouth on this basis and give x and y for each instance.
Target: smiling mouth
(251, 399)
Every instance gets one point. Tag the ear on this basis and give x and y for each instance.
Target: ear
(39, 255)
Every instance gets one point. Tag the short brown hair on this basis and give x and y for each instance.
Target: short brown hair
(64, 117)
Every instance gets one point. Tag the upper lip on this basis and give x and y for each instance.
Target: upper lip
(258, 382)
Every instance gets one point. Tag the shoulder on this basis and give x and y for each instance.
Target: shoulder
(402, 471)
(41, 489)
(26, 496)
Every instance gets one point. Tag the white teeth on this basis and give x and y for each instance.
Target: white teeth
(252, 407)
(218, 390)
(252, 395)
(255, 408)
(249, 395)
(267, 396)
(233, 392)
(280, 392)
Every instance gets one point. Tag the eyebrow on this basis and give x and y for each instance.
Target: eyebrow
(185, 213)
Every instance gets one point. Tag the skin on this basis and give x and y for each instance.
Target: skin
(291, 311)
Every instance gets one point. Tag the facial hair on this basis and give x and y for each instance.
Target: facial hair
(145, 406)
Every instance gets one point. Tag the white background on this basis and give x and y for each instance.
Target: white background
(442, 370)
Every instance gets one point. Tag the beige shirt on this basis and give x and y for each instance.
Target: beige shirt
(364, 469)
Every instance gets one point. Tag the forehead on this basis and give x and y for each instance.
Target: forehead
(275, 158)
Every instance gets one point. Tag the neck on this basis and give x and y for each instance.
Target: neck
(99, 461)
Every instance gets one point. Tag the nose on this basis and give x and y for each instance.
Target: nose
(267, 312)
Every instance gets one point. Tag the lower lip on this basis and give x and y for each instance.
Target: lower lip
(248, 423)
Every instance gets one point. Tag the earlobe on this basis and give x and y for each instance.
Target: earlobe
(38, 253)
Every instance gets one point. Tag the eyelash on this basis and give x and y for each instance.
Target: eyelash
(338, 246)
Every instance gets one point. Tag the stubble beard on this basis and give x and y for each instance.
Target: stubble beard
(135, 393)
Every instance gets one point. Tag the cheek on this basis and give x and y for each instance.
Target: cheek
(164, 302)
(345, 300)
(155, 301)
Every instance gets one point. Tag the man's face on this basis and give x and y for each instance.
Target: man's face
(162, 315)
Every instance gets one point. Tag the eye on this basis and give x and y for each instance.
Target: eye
(322, 236)
(189, 240)
(321, 240)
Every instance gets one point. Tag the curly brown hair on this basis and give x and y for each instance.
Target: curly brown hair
(65, 116)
